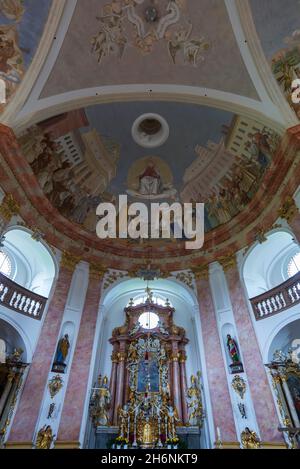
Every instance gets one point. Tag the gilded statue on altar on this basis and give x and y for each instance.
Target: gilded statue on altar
(100, 403)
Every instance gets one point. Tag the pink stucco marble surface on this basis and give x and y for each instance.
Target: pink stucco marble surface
(218, 387)
(69, 429)
(259, 386)
(28, 409)
(295, 225)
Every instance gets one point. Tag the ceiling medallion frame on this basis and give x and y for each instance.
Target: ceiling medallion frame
(150, 139)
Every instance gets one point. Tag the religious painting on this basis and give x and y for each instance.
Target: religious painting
(278, 28)
(88, 156)
(150, 178)
(141, 24)
(148, 375)
(17, 47)
(293, 382)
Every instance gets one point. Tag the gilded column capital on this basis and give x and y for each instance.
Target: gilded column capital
(182, 356)
(228, 262)
(69, 261)
(121, 356)
(97, 271)
(201, 272)
(9, 207)
(114, 357)
(175, 356)
(288, 210)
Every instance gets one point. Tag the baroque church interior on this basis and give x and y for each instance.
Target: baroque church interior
(143, 343)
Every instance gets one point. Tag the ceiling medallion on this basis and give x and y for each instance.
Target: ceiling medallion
(150, 130)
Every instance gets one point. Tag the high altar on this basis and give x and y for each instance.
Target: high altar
(148, 403)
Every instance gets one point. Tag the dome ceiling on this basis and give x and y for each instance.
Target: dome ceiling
(182, 46)
(182, 90)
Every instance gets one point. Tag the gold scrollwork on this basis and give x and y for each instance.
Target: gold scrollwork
(9, 207)
(288, 210)
(239, 385)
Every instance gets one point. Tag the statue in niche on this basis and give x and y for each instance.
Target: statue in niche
(100, 403)
(236, 366)
(250, 439)
(62, 351)
(45, 438)
(194, 399)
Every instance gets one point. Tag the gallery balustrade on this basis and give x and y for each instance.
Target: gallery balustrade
(21, 300)
(278, 299)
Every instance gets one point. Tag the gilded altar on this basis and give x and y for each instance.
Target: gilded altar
(148, 399)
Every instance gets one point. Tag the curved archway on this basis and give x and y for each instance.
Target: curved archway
(264, 265)
(35, 266)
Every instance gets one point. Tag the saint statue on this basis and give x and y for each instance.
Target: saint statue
(194, 400)
(62, 349)
(45, 438)
(233, 349)
(172, 419)
(61, 354)
(123, 418)
(100, 403)
(250, 439)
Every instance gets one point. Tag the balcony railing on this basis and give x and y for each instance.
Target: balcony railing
(21, 300)
(278, 299)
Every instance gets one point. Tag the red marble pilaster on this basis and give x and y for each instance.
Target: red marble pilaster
(176, 380)
(259, 386)
(113, 383)
(120, 384)
(183, 386)
(217, 380)
(71, 418)
(23, 427)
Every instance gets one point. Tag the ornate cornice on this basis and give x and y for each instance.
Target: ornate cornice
(69, 261)
(288, 210)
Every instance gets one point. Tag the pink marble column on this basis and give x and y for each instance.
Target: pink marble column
(183, 385)
(71, 418)
(259, 386)
(28, 409)
(176, 381)
(113, 383)
(217, 380)
(120, 384)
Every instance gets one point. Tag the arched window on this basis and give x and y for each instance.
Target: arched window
(5, 264)
(294, 265)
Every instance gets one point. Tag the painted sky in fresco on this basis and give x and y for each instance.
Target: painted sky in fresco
(31, 27)
(190, 125)
(275, 20)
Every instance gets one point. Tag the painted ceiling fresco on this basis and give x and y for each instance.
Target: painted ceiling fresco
(89, 155)
(21, 27)
(278, 26)
(149, 41)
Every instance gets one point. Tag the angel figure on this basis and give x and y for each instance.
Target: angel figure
(45, 438)
(190, 48)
